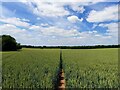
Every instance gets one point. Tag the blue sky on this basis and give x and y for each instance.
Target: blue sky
(60, 23)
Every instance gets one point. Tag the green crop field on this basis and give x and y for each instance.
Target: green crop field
(30, 68)
(37, 68)
(91, 68)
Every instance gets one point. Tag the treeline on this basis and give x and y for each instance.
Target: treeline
(8, 43)
(72, 47)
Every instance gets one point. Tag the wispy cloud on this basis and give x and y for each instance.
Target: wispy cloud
(107, 14)
(50, 9)
(15, 21)
(112, 29)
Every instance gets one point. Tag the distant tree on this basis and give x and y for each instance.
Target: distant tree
(8, 43)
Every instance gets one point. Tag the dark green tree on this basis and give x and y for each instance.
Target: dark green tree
(8, 43)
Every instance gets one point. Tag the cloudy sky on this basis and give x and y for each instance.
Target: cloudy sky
(35, 22)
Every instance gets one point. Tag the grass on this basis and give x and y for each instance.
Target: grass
(37, 68)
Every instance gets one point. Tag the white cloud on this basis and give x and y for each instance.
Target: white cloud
(59, 36)
(22, 36)
(77, 7)
(55, 36)
(112, 32)
(25, 20)
(84, 39)
(112, 29)
(44, 24)
(15, 21)
(10, 29)
(56, 8)
(81, 19)
(107, 14)
(74, 19)
(50, 9)
(60, 32)
(94, 26)
(54, 31)
(34, 27)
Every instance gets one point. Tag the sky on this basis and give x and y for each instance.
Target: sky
(65, 22)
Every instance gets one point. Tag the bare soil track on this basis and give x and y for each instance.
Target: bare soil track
(61, 84)
(61, 76)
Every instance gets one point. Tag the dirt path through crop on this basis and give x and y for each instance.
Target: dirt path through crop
(61, 76)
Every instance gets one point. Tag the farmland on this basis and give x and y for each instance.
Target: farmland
(30, 68)
(37, 68)
(91, 68)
